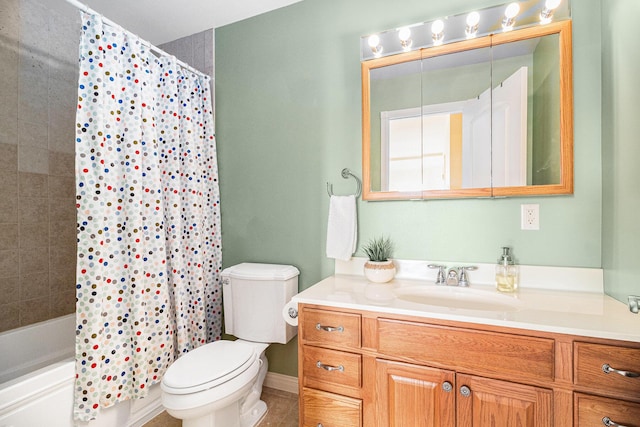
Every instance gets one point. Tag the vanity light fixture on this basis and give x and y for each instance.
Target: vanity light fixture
(547, 12)
(374, 44)
(473, 19)
(437, 32)
(510, 14)
(404, 34)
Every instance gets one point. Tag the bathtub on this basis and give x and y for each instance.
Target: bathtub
(37, 373)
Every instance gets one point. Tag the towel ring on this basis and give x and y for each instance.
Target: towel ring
(346, 173)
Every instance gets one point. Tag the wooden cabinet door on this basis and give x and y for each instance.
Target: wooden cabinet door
(414, 396)
(483, 402)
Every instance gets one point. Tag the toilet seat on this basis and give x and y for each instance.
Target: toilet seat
(208, 366)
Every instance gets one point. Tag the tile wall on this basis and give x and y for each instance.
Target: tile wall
(38, 75)
(197, 50)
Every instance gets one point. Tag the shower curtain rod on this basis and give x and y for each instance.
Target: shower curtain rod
(83, 7)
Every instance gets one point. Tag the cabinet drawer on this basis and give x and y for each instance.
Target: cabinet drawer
(591, 410)
(322, 366)
(493, 354)
(589, 373)
(330, 410)
(330, 328)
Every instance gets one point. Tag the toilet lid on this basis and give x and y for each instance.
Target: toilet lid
(208, 366)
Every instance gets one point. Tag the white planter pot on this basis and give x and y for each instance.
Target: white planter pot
(379, 271)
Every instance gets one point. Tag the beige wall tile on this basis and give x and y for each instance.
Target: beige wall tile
(8, 156)
(34, 286)
(9, 289)
(9, 209)
(62, 187)
(9, 316)
(62, 255)
(33, 134)
(33, 159)
(34, 235)
(61, 210)
(8, 236)
(63, 233)
(8, 128)
(34, 260)
(63, 303)
(33, 185)
(62, 164)
(33, 209)
(62, 278)
(9, 259)
(34, 310)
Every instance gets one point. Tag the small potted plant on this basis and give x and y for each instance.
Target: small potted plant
(380, 267)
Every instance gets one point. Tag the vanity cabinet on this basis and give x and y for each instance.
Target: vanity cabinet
(611, 376)
(364, 368)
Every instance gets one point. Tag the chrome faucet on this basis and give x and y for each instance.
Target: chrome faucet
(456, 276)
(452, 277)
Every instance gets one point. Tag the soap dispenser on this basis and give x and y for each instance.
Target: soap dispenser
(506, 272)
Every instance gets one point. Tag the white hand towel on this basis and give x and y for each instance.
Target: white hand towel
(342, 231)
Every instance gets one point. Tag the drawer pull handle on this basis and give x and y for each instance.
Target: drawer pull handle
(629, 374)
(329, 328)
(607, 422)
(330, 368)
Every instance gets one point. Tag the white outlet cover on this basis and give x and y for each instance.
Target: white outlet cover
(530, 217)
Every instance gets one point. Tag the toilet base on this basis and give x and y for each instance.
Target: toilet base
(254, 415)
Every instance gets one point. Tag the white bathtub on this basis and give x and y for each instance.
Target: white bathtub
(37, 373)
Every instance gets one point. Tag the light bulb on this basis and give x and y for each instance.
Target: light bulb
(552, 4)
(547, 12)
(437, 27)
(512, 10)
(509, 16)
(374, 41)
(472, 24)
(437, 33)
(404, 34)
(473, 19)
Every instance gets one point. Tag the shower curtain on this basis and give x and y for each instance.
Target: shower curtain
(149, 248)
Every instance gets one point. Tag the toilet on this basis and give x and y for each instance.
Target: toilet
(219, 384)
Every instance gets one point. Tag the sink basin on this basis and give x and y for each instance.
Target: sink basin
(458, 298)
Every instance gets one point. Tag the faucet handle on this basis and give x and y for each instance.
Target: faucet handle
(463, 280)
(440, 280)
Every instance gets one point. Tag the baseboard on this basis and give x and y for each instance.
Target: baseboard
(281, 382)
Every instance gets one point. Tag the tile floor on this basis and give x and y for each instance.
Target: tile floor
(282, 411)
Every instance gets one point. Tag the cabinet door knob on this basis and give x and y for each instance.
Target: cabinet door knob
(319, 425)
(465, 391)
(629, 374)
(446, 386)
(609, 423)
(329, 368)
(329, 328)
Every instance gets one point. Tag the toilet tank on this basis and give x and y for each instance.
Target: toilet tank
(254, 296)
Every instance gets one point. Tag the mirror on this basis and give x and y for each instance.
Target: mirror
(483, 117)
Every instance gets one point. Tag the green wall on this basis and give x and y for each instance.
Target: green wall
(288, 120)
(621, 147)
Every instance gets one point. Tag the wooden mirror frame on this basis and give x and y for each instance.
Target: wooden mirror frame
(563, 30)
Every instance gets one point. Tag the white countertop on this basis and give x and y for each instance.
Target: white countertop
(589, 314)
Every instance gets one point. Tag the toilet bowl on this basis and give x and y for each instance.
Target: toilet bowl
(219, 384)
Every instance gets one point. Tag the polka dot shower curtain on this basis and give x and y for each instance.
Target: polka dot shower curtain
(148, 217)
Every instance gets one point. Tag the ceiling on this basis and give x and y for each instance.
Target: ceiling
(161, 21)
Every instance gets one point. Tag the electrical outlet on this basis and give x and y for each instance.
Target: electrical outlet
(530, 217)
